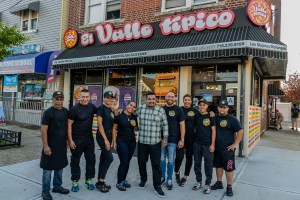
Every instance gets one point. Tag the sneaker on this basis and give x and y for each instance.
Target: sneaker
(280, 128)
(207, 189)
(126, 184)
(217, 185)
(75, 187)
(159, 192)
(182, 182)
(292, 128)
(197, 186)
(60, 190)
(177, 175)
(142, 184)
(102, 187)
(89, 185)
(46, 196)
(229, 191)
(169, 185)
(162, 180)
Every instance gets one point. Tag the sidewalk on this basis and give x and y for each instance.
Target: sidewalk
(270, 172)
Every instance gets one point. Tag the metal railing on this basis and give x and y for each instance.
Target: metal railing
(28, 111)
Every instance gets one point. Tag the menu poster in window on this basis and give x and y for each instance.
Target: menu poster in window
(96, 94)
(77, 90)
(127, 95)
(208, 97)
(116, 93)
(29, 91)
(37, 92)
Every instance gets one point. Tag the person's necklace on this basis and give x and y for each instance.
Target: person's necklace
(128, 116)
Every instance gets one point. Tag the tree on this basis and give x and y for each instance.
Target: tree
(291, 88)
(10, 36)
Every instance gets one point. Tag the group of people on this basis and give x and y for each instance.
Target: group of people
(166, 134)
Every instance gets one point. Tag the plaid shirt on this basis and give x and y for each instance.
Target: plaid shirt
(152, 121)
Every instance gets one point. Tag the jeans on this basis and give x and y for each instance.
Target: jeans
(57, 179)
(125, 151)
(168, 151)
(199, 152)
(154, 150)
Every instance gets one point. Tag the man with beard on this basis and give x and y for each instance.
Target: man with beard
(81, 140)
(229, 135)
(176, 125)
(152, 123)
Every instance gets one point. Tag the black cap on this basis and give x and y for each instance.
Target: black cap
(202, 100)
(108, 94)
(57, 94)
(223, 103)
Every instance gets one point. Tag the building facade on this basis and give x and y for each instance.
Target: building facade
(212, 49)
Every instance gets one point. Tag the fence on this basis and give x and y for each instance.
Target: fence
(28, 111)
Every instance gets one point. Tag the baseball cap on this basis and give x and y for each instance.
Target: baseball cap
(202, 100)
(57, 94)
(223, 103)
(108, 94)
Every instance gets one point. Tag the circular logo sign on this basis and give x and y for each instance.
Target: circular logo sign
(259, 12)
(70, 38)
(223, 123)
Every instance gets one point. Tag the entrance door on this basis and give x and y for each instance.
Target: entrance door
(213, 92)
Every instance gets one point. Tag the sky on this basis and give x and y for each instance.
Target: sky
(290, 32)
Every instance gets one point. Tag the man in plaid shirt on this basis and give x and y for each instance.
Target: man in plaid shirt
(152, 125)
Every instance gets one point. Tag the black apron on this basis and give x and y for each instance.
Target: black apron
(57, 132)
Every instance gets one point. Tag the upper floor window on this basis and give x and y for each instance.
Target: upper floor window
(177, 4)
(102, 10)
(29, 20)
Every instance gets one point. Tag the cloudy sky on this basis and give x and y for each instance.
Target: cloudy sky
(290, 32)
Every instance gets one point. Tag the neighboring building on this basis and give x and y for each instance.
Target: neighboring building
(217, 49)
(29, 66)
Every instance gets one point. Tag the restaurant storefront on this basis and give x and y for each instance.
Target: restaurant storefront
(209, 55)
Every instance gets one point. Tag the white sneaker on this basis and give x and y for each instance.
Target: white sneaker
(197, 186)
(207, 189)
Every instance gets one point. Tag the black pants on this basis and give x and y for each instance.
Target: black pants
(144, 150)
(199, 152)
(125, 151)
(188, 147)
(106, 157)
(88, 148)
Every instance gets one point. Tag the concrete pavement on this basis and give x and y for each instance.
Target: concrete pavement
(270, 172)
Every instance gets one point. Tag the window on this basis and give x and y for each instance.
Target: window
(256, 90)
(176, 4)
(29, 20)
(93, 76)
(101, 10)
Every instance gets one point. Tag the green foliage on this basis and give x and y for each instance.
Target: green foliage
(10, 36)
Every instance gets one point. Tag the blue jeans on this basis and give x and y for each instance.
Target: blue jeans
(57, 179)
(168, 151)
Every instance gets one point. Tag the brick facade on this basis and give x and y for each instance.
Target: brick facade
(146, 11)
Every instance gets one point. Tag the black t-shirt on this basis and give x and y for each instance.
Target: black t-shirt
(203, 128)
(189, 114)
(83, 121)
(107, 120)
(226, 127)
(56, 120)
(174, 117)
(126, 126)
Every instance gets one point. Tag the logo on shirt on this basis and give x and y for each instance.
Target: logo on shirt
(206, 122)
(191, 114)
(171, 113)
(133, 122)
(223, 123)
(112, 115)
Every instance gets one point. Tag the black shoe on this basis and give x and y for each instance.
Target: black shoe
(177, 175)
(182, 182)
(159, 192)
(280, 128)
(169, 185)
(142, 184)
(60, 190)
(102, 187)
(46, 196)
(292, 128)
(217, 185)
(229, 191)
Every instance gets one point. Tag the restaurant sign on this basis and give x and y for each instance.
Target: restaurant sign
(169, 25)
(259, 12)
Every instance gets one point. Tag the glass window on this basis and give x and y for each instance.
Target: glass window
(227, 73)
(204, 74)
(122, 77)
(159, 80)
(256, 90)
(78, 77)
(34, 24)
(174, 3)
(95, 11)
(113, 9)
(94, 76)
(198, 2)
(29, 19)
(25, 25)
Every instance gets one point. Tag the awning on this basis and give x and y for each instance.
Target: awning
(30, 63)
(27, 6)
(274, 91)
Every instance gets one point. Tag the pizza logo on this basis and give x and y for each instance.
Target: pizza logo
(191, 114)
(206, 122)
(133, 122)
(259, 12)
(70, 38)
(223, 123)
(171, 113)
